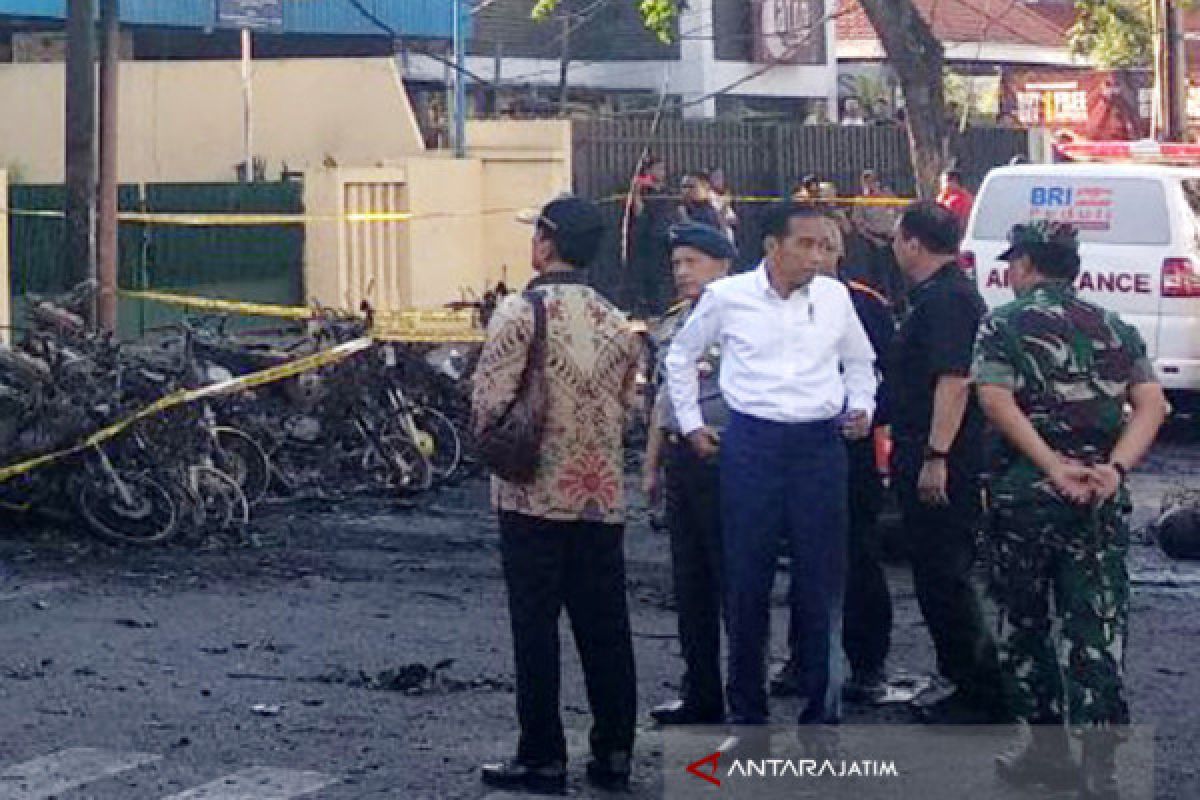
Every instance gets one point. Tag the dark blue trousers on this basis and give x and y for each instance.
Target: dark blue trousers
(784, 481)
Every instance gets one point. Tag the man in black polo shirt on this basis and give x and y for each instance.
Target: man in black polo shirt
(938, 433)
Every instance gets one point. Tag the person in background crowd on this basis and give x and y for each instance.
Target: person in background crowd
(699, 256)
(938, 433)
(818, 113)
(881, 112)
(652, 211)
(808, 191)
(797, 373)
(561, 535)
(722, 200)
(875, 222)
(955, 198)
(1009, 121)
(867, 622)
(1055, 374)
(652, 175)
(697, 207)
(852, 112)
(856, 262)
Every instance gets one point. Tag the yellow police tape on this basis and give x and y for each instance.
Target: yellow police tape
(231, 218)
(823, 201)
(234, 219)
(416, 326)
(225, 306)
(270, 375)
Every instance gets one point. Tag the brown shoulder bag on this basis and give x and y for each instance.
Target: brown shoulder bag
(510, 446)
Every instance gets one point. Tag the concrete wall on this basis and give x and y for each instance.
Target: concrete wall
(182, 120)
(524, 165)
(463, 235)
(5, 285)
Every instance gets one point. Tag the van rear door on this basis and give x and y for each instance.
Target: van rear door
(1125, 228)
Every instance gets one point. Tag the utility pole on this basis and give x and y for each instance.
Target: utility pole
(564, 63)
(79, 233)
(106, 200)
(247, 40)
(460, 88)
(1177, 69)
(1170, 71)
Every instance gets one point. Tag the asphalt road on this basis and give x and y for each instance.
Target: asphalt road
(363, 651)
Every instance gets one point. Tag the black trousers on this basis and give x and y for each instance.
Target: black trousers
(693, 501)
(867, 612)
(867, 622)
(942, 540)
(548, 566)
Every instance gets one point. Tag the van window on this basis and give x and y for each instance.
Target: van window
(1191, 190)
(1110, 210)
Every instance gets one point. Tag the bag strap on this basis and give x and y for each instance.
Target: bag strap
(537, 346)
(535, 358)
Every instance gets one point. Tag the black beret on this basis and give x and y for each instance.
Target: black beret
(704, 238)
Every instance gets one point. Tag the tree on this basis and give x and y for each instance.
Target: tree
(917, 58)
(1114, 34)
(912, 51)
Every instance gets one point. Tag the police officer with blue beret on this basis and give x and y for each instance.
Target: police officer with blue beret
(700, 254)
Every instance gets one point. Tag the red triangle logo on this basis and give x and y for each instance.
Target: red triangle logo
(711, 761)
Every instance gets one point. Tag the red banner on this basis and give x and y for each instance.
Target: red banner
(1101, 105)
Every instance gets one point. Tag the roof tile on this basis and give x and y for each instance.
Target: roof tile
(998, 21)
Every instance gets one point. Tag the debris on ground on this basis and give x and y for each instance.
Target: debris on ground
(413, 679)
(264, 710)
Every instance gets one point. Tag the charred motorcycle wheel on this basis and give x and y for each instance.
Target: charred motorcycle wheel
(218, 504)
(398, 464)
(240, 457)
(445, 445)
(133, 508)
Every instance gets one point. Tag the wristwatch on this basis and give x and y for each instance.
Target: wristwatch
(933, 454)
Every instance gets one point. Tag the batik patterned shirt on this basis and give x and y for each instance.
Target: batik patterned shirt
(591, 368)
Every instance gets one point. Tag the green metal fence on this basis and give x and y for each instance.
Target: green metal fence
(261, 263)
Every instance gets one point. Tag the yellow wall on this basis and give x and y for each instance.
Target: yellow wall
(463, 236)
(182, 120)
(448, 249)
(525, 164)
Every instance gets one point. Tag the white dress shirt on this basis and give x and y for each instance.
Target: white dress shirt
(801, 359)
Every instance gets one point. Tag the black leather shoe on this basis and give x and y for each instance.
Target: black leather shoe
(786, 681)
(748, 742)
(680, 713)
(865, 687)
(1099, 773)
(1045, 760)
(958, 710)
(610, 773)
(513, 775)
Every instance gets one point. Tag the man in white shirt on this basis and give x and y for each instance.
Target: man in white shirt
(797, 371)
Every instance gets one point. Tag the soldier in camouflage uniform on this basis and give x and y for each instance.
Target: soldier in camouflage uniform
(700, 254)
(1054, 374)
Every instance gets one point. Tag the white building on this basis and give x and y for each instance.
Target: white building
(728, 56)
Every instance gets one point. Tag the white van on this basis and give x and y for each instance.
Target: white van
(1140, 247)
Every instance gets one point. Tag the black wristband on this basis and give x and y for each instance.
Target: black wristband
(1120, 468)
(933, 454)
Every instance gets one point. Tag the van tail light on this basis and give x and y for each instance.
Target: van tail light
(966, 260)
(1180, 278)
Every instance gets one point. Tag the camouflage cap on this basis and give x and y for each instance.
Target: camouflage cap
(1038, 234)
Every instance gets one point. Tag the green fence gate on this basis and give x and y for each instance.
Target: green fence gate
(253, 262)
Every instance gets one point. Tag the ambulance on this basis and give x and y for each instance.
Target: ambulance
(1139, 224)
